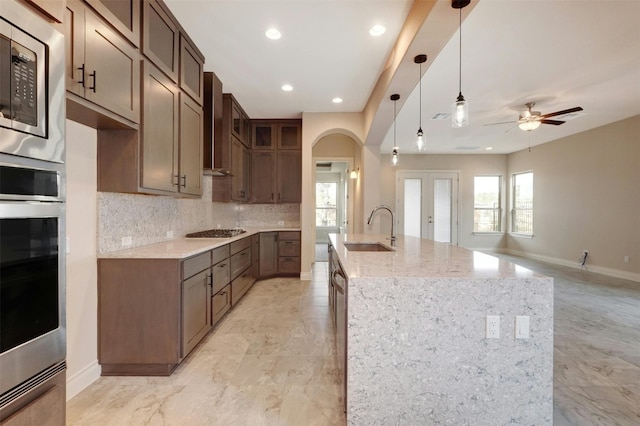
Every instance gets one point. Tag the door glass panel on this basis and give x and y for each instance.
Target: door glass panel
(412, 204)
(442, 210)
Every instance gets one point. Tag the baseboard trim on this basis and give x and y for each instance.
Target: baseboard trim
(305, 276)
(82, 379)
(616, 273)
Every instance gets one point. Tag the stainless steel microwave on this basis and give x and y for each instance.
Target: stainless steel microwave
(32, 84)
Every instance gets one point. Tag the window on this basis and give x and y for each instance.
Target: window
(486, 204)
(522, 205)
(326, 206)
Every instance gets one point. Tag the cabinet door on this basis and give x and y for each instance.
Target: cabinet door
(191, 70)
(237, 125)
(268, 253)
(160, 38)
(123, 15)
(263, 176)
(190, 146)
(237, 170)
(112, 70)
(246, 173)
(289, 176)
(263, 135)
(220, 304)
(74, 47)
(290, 135)
(159, 167)
(196, 310)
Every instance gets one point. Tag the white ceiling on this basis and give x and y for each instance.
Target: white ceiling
(557, 53)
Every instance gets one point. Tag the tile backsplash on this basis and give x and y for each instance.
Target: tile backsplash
(147, 219)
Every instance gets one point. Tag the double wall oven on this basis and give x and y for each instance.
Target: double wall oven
(32, 203)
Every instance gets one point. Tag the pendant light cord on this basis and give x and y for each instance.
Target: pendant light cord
(460, 51)
(420, 80)
(394, 125)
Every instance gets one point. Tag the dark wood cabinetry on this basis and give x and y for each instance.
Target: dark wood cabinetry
(191, 69)
(289, 253)
(123, 15)
(52, 9)
(101, 67)
(276, 167)
(231, 153)
(161, 38)
(276, 134)
(268, 254)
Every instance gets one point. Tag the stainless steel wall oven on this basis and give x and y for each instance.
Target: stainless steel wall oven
(32, 204)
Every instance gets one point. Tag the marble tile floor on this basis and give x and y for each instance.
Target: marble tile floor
(276, 366)
(270, 361)
(596, 346)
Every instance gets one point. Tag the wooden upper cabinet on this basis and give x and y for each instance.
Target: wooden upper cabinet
(53, 9)
(74, 46)
(159, 152)
(290, 135)
(123, 15)
(289, 176)
(191, 69)
(263, 134)
(191, 131)
(161, 38)
(264, 172)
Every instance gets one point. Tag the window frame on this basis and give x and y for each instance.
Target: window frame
(327, 208)
(497, 209)
(515, 209)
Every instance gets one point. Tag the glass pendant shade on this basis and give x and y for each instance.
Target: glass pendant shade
(394, 157)
(460, 112)
(420, 145)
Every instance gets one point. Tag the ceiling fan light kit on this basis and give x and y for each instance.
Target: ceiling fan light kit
(420, 145)
(460, 108)
(394, 154)
(530, 120)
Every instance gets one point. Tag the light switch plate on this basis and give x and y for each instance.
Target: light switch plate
(522, 327)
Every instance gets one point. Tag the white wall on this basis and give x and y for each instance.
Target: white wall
(82, 318)
(586, 196)
(468, 165)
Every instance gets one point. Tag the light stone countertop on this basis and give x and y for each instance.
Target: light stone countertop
(182, 248)
(417, 257)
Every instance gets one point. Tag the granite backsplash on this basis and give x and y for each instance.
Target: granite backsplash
(150, 219)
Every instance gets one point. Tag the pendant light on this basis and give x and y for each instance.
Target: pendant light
(460, 108)
(394, 153)
(420, 145)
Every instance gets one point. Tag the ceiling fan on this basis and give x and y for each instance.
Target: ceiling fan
(531, 120)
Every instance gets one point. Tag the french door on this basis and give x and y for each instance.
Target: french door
(427, 205)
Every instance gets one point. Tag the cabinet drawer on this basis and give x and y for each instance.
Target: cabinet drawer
(220, 304)
(221, 275)
(239, 245)
(288, 248)
(240, 262)
(289, 235)
(240, 286)
(289, 265)
(195, 264)
(219, 254)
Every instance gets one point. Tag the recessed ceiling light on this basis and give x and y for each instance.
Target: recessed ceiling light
(377, 30)
(273, 34)
(287, 87)
(489, 148)
(337, 100)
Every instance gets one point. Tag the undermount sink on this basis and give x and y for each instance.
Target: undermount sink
(366, 247)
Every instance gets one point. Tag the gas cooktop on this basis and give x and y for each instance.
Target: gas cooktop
(217, 233)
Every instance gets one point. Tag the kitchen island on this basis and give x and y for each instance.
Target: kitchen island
(416, 327)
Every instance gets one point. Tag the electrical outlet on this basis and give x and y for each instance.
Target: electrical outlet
(493, 327)
(169, 234)
(522, 327)
(627, 259)
(127, 241)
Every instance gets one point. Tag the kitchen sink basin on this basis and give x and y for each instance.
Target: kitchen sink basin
(366, 247)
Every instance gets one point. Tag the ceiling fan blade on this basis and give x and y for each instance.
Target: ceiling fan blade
(501, 122)
(564, 111)
(554, 122)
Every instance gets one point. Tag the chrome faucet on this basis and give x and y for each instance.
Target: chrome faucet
(393, 222)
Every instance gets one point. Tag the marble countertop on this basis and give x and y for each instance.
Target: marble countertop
(182, 248)
(417, 257)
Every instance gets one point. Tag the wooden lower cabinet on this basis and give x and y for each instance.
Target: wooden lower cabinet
(220, 304)
(288, 253)
(196, 310)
